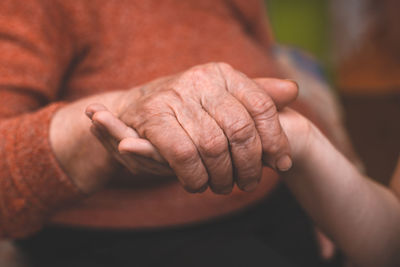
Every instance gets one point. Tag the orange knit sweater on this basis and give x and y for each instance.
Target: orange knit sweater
(55, 51)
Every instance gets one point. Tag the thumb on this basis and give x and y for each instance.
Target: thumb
(282, 92)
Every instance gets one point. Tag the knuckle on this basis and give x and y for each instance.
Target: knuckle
(273, 147)
(223, 65)
(198, 71)
(213, 146)
(184, 154)
(242, 131)
(148, 105)
(262, 105)
(152, 105)
(171, 95)
(194, 78)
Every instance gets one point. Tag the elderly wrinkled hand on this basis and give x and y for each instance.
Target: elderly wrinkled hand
(212, 125)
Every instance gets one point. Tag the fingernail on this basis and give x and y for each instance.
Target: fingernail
(251, 186)
(293, 81)
(284, 163)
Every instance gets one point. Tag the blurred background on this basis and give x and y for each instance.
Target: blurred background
(358, 44)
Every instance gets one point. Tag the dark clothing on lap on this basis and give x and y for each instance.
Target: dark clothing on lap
(274, 233)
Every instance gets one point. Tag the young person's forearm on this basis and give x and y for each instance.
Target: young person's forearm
(361, 216)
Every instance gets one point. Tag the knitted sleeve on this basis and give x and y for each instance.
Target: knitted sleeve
(35, 51)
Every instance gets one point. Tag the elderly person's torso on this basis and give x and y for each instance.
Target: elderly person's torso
(121, 44)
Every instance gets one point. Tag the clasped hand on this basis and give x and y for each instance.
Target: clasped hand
(211, 126)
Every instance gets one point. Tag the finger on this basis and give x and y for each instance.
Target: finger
(93, 108)
(134, 163)
(113, 125)
(106, 141)
(120, 131)
(237, 125)
(146, 166)
(282, 92)
(326, 246)
(140, 147)
(102, 134)
(244, 141)
(211, 144)
(166, 134)
(275, 145)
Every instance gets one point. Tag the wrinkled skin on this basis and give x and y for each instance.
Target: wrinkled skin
(210, 126)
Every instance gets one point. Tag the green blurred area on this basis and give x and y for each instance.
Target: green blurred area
(304, 24)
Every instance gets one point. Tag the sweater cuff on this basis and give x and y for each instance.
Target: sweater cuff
(35, 170)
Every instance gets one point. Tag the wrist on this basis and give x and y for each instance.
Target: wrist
(78, 152)
(299, 131)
